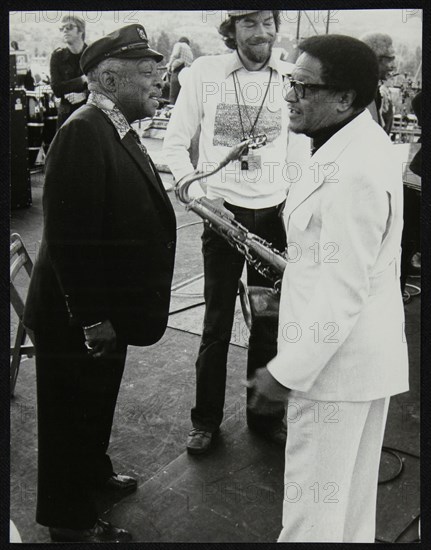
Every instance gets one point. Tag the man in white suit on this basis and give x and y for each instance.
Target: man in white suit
(341, 343)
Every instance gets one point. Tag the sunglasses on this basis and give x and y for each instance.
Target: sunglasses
(67, 27)
(300, 87)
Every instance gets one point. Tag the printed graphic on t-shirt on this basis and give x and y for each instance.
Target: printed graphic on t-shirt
(227, 126)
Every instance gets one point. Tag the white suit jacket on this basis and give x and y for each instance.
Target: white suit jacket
(341, 332)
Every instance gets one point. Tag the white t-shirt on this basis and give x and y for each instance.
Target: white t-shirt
(208, 99)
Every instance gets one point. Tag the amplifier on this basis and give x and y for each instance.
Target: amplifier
(18, 68)
(20, 187)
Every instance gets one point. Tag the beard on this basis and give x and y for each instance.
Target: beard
(257, 53)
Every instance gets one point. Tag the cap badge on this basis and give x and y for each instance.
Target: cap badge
(141, 33)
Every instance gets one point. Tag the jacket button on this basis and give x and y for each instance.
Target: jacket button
(170, 244)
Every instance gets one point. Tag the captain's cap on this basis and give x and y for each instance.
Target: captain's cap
(240, 13)
(127, 43)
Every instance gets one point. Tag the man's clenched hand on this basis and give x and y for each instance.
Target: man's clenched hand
(267, 392)
(100, 339)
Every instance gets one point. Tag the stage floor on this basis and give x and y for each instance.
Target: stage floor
(233, 494)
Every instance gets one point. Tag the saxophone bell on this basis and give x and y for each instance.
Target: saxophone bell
(182, 186)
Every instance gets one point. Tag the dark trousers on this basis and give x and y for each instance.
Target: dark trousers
(76, 397)
(223, 266)
(175, 86)
(410, 241)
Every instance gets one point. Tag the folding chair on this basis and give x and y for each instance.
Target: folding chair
(18, 258)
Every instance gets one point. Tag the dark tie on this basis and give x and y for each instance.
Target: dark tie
(138, 141)
(142, 148)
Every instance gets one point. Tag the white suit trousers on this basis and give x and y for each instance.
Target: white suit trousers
(331, 473)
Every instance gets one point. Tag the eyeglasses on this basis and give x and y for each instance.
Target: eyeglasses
(388, 57)
(67, 27)
(300, 87)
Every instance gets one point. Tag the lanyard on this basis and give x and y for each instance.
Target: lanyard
(252, 125)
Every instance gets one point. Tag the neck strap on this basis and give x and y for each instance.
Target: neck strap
(238, 86)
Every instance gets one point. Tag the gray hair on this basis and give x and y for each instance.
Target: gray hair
(114, 64)
(379, 42)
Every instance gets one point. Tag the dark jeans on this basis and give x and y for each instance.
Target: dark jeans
(223, 266)
(174, 89)
(76, 398)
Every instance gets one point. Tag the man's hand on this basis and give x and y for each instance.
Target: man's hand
(75, 97)
(267, 394)
(218, 205)
(100, 340)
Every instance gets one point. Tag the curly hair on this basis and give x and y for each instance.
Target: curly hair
(227, 28)
(379, 42)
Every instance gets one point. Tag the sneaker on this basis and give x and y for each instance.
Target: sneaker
(277, 434)
(198, 441)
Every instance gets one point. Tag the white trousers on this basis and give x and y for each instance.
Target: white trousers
(331, 472)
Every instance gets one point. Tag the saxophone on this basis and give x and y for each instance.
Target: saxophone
(256, 302)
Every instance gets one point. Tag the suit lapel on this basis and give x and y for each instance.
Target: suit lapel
(311, 179)
(323, 164)
(150, 171)
(132, 148)
(164, 193)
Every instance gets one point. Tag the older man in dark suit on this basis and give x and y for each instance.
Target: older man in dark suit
(101, 281)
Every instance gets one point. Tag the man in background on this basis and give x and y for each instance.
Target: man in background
(381, 107)
(68, 82)
(181, 57)
(411, 255)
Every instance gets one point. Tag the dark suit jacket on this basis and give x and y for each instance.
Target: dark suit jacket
(108, 245)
